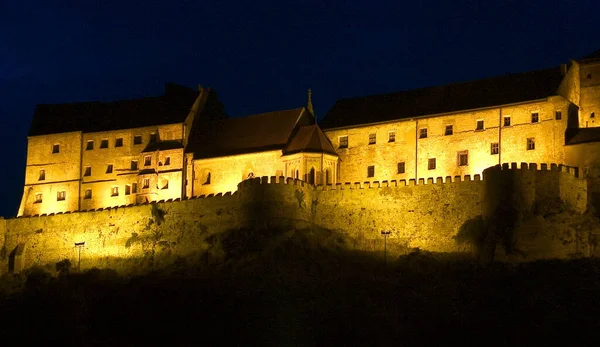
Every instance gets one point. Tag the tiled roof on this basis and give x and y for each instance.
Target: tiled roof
(309, 139)
(455, 97)
(582, 135)
(173, 107)
(255, 133)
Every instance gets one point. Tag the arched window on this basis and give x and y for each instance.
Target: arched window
(311, 176)
(250, 175)
(297, 175)
(328, 176)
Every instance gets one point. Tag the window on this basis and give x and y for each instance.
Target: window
(167, 161)
(372, 139)
(88, 194)
(401, 167)
(55, 148)
(90, 145)
(207, 178)
(137, 140)
(592, 115)
(507, 121)
(134, 165)
(87, 171)
(42, 175)
(462, 158)
(479, 125)
(165, 185)
(109, 168)
(392, 136)
(343, 141)
(535, 117)
(147, 160)
(134, 188)
(104, 143)
(530, 144)
(423, 133)
(153, 138)
(431, 164)
(494, 148)
(38, 198)
(449, 130)
(146, 183)
(589, 76)
(60, 196)
(557, 115)
(119, 142)
(127, 189)
(114, 191)
(371, 171)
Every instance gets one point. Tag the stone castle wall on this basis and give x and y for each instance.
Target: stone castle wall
(425, 214)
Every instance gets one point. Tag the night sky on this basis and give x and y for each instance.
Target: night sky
(262, 56)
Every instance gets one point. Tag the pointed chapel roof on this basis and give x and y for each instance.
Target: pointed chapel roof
(309, 139)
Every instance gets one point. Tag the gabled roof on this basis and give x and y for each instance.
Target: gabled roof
(171, 108)
(488, 92)
(309, 139)
(261, 132)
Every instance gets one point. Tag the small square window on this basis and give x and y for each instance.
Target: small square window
(55, 149)
(494, 148)
(530, 144)
(558, 115)
(87, 194)
(167, 161)
(479, 125)
(392, 136)
(90, 145)
(137, 140)
(109, 168)
(146, 183)
(153, 138)
(127, 189)
(87, 171)
(592, 115)
(134, 188)
(507, 121)
(42, 176)
(423, 133)
(401, 167)
(343, 141)
(462, 158)
(119, 142)
(449, 130)
(372, 139)
(114, 191)
(431, 164)
(147, 160)
(371, 171)
(61, 196)
(104, 143)
(38, 198)
(535, 117)
(134, 165)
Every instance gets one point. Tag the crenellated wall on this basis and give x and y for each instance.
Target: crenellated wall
(425, 214)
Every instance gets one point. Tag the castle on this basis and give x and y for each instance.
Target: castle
(90, 157)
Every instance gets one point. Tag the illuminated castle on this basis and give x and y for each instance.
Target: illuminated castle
(91, 155)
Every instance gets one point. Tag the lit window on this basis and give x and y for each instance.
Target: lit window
(431, 164)
(167, 160)
(55, 149)
(119, 142)
(61, 196)
(137, 140)
(423, 133)
(343, 141)
(535, 117)
(90, 145)
(109, 168)
(147, 160)
(530, 144)
(127, 189)
(114, 191)
(507, 121)
(371, 171)
(153, 137)
(146, 183)
(449, 130)
(401, 167)
(42, 175)
(558, 115)
(207, 177)
(87, 194)
(494, 149)
(87, 171)
(38, 198)
(372, 139)
(134, 188)
(479, 125)
(134, 165)
(392, 136)
(463, 158)
(104, 143)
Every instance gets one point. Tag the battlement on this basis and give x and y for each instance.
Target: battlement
(574, 171)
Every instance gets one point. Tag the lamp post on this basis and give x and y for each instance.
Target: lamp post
(385, 236)
(79, 245)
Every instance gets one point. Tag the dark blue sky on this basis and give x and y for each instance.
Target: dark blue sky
(263, 56)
